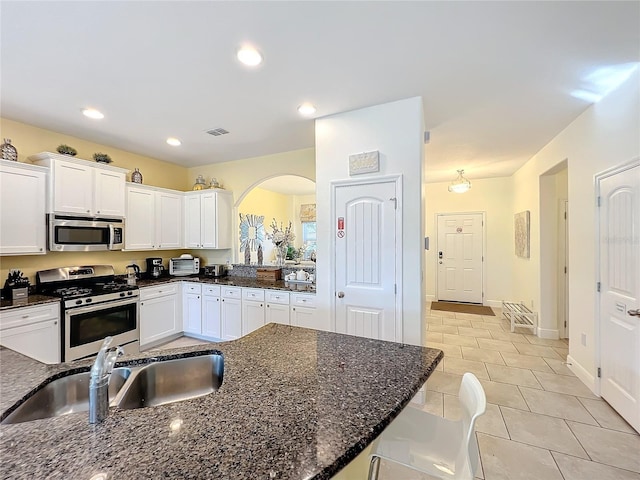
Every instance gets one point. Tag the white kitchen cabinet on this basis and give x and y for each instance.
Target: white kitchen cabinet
(231, 313)
(22, 209)
(277, 306)
(160, 313)
(211, 311)
(207, 219)
(33, 331)
(154, 218)
(191, 308)
(253, 309)
(80, 187)
(303, 310)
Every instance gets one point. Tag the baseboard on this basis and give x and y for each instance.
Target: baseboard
(430, 298)
(168, 339)
(583, 374)
(552, 334)
(493, 303)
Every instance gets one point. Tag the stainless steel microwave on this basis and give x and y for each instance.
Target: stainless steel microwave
(85, 234)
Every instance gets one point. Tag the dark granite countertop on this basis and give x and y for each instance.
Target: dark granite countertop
(233, 281)
(295, 403)
(30, 301)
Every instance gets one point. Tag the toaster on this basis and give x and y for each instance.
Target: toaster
(184, 265)
(218, 270)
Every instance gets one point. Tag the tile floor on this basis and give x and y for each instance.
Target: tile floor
(541, 421)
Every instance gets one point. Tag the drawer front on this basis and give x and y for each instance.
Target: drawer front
(232, 292)
(297, 299)
(256, 294)
(191, 288)
(212, 290)
(28, 315)
(147, 293)
(276, 296)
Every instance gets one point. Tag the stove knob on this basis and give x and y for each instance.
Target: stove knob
(88, 300)
(129, 293)
(122, 294)
(78, 302)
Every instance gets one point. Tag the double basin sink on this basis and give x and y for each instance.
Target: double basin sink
(149, 385)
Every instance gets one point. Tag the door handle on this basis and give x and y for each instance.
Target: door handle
(634, 313)
(340, 294)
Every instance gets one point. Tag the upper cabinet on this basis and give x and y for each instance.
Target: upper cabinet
(207, 219)
(22, 209)
(154, 218)
(80, 187)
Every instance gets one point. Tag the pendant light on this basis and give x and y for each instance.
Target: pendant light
(460, 184)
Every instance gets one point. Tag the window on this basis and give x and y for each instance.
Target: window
(308, 238)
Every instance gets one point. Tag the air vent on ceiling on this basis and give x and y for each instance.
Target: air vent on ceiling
(216, 132)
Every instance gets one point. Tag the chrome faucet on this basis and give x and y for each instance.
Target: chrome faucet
(99, 381)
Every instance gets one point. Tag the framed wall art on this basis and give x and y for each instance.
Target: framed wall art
(521, 224)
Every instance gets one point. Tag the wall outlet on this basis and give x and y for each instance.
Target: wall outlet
(583, 339)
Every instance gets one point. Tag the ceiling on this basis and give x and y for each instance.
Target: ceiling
(498, 79)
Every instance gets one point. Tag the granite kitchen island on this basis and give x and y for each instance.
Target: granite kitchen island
(294, 404)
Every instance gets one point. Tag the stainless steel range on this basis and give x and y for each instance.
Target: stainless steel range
(94, 306)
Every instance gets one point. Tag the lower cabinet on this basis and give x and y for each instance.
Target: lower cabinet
(303, 310)
(33, 331)
(211, 311)
(231, 313)
(192, 308)
(252, 309)
(160, 313)
(277, 303)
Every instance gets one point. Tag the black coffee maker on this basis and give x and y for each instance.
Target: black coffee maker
(154, 267)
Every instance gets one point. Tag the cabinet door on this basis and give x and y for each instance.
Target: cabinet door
(109, 195)
(192, 221)
(208, 221)
(159, 319)
(231, 318)
(211, 326)
(168, 220)
(192, 313)
(23, 228)
(252, 316)
(73, 188)
(277, 313)
(140, 222)
(224, 209)
(303, 317)
(37, 340)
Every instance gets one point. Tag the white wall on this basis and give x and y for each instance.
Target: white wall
(492, 196)
(396, 131)
(605, 135)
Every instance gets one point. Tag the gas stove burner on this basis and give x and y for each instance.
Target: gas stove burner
(69, 292)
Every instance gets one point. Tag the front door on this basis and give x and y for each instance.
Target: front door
(365, 249)
(619, 221)
(459, 257)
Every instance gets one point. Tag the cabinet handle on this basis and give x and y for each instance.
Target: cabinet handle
(55, 323)
(260, 304)
(268, 305)
(87, 211)
(142, 304)
(40, 249)
(98, 211)
(294, 309)
(25, 316)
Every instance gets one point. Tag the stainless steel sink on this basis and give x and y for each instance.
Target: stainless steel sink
(65, 395)
(173, 381)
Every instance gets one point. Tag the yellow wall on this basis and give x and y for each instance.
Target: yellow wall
(30, 140)
(272, 205)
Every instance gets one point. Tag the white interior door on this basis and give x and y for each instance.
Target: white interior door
(459, 257)
(619, 222)
(365, 246)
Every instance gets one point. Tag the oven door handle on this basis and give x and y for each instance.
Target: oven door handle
(92, 307)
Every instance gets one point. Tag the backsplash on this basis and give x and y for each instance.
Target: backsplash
(242, 270)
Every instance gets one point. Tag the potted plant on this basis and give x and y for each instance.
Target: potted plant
(66, 150)
(102, 158)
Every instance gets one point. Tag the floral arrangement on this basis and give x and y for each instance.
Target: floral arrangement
(66, 150)
(280, 236)
(102, 158)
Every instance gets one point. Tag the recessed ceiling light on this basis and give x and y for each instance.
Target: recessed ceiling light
(306, 109)
(93, 113)
(249, 56)
(174, 142)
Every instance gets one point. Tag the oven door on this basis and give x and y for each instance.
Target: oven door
(86, 327)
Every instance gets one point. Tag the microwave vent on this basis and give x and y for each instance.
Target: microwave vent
(216, 132)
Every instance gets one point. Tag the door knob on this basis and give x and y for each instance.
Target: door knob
(340, 294)
(634, 313)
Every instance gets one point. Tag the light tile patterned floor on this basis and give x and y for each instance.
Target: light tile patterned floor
(541, 421)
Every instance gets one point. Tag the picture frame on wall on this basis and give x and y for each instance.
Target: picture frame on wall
(521, 228)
